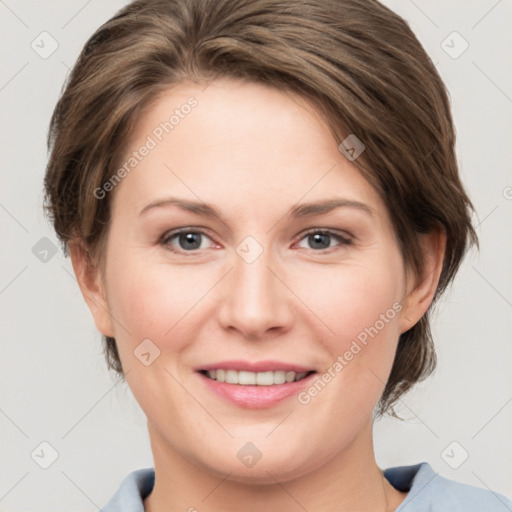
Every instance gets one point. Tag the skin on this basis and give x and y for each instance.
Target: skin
(253, 152)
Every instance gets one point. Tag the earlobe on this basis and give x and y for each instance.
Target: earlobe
(90, 282)
(422, 288)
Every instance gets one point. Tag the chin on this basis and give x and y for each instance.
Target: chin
(246, 465)
(263, 472)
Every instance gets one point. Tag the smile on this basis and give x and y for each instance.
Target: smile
(247, 378)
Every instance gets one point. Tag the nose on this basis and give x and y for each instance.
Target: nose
(255, 300)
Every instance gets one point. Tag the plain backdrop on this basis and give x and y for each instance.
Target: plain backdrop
(55, 388)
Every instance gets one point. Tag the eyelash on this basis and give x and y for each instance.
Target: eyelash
(344, 240)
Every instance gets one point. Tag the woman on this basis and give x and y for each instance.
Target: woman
(261, 202)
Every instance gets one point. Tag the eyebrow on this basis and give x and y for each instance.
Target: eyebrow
(298, 211)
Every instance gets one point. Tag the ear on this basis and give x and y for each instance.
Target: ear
(422, 288)
(91, 285)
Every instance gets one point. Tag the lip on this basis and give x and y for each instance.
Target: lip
(259, 366)
(255, 397)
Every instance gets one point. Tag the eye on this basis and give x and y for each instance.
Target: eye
(321, 239)
(191, 240)
(188, 240)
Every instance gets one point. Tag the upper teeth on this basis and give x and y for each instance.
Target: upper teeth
(251, 378)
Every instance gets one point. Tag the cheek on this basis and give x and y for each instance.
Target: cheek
(363, 309)
(354, 297)
(156, 301)
(362, 305)
(370, 302)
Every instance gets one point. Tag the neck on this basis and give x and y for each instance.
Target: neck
(350, 481)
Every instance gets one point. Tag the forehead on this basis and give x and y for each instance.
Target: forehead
(235, 143)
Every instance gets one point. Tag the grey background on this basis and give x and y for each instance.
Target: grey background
(54, 385)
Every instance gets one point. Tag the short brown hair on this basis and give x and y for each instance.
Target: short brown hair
(356, 60)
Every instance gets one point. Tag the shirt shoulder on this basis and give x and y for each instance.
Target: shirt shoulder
(431, 492)
(132, 491)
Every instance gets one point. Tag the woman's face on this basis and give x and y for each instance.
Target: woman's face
(246, 286)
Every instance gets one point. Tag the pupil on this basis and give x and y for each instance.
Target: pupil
(190, 238)
(317, 238)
